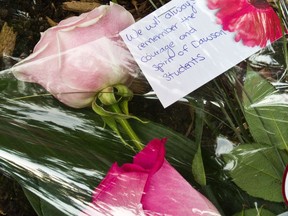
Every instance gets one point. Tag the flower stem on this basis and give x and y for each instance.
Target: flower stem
(282, 18)
(152, 3)
(161, 2)
(128, 129)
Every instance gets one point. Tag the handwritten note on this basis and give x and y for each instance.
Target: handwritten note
(180, 47)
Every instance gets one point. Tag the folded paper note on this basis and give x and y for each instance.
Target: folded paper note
(180, 47)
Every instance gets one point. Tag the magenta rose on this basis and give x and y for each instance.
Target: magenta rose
(148, 186)
(81, 56)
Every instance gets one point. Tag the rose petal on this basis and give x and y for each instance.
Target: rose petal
(152, 156)
(167, 192)
(81, 56)
(121, 190)
(149, 186)
(95, 66)
(103, 21)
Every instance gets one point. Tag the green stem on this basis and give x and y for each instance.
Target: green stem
(237, 133)
(152, 3)
(127, 128)
(281, 16)
(232, 125)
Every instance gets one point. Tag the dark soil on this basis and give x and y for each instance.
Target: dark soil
(12, 199)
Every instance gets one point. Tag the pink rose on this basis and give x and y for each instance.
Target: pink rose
(148, 186)
(81, 56)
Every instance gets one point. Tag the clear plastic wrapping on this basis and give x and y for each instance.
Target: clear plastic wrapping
(68, 138)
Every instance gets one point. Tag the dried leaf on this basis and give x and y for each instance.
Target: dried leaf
(51, 22)
(7, 40)
(80, 7)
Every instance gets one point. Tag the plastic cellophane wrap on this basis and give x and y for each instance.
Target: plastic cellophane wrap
(221, 150)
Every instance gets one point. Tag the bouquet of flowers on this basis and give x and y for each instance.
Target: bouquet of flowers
(83, 132)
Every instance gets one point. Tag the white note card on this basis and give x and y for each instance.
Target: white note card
(180, 47)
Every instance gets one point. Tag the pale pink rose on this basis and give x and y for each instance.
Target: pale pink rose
(148, 186)
(81, 56)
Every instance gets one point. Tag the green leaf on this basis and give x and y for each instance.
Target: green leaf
(255, 212)
(197, 163)
(256, 88)
(266, 111)
(59, 154)
(258, 170)
(40, 207)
